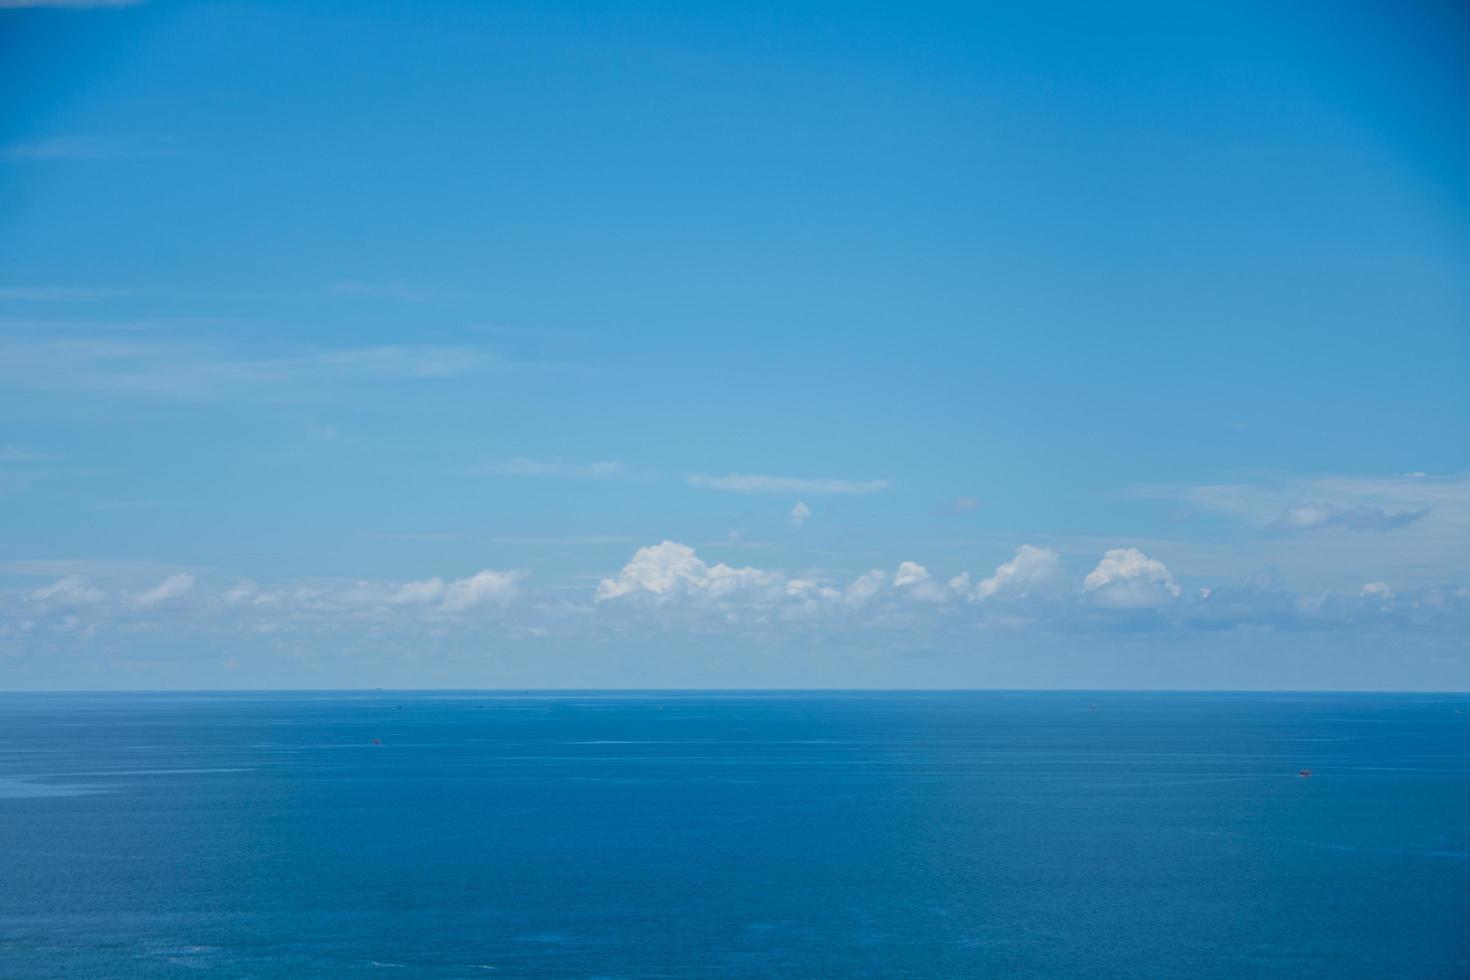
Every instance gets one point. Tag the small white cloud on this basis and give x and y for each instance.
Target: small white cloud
(481, 588)
(910, 573)
(170, 588)
(418, 593)
(241, 593)
(525, 466)
(799, 514)
(1032, 567)
(913, 581)
(866, 586)
(754, 483)
(1376, 590)
(68, 591)
(1127, 577)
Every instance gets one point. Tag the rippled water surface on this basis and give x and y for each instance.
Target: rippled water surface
(734, 835)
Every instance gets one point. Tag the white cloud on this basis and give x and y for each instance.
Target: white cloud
(1126, 577)
(866, 586)
(910, 573)
(481, 588)
(172, 587)
(913, 581)
(418, 593)
(669, 586)
(160, 363)
(671, 569)
(799, 514)
(377, 601)
(1032, 567)
(525, 466)
(70, 590)
(754, 483)
(1358, 518)
(1355, 503)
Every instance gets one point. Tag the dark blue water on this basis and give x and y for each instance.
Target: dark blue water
(689, 835)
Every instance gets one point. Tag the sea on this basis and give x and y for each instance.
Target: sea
(734, 834)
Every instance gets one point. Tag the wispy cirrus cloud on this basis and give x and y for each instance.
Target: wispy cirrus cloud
(156, 362)
(59, 294)
(525, 466)
(81, 148)
(1357, 518)
(757, 483)
(18, 454)
(1381, 503)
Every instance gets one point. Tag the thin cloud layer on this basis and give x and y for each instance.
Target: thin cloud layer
(1359, 518)
(755, 483)
(669, 586)
(527, 467)
(1354, 503)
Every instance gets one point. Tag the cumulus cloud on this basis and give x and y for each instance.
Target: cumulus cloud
(671, 569)
(418, 593)
(525, 466)
(1031, 568)
(754, 483)
(910, 573)
(481, 588)
(799, 514)
(172, 587)
(1128, 578)
(1376, 590)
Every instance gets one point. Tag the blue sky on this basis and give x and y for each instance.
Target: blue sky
(346, 344)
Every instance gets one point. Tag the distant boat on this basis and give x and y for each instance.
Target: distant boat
(1305, 773)
(377, 741)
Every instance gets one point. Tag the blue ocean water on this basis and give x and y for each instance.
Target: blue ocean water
(922, 835)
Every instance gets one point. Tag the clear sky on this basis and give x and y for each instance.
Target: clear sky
(789, 344)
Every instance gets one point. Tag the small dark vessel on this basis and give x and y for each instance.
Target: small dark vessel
(377, 741)
(1305, 773)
